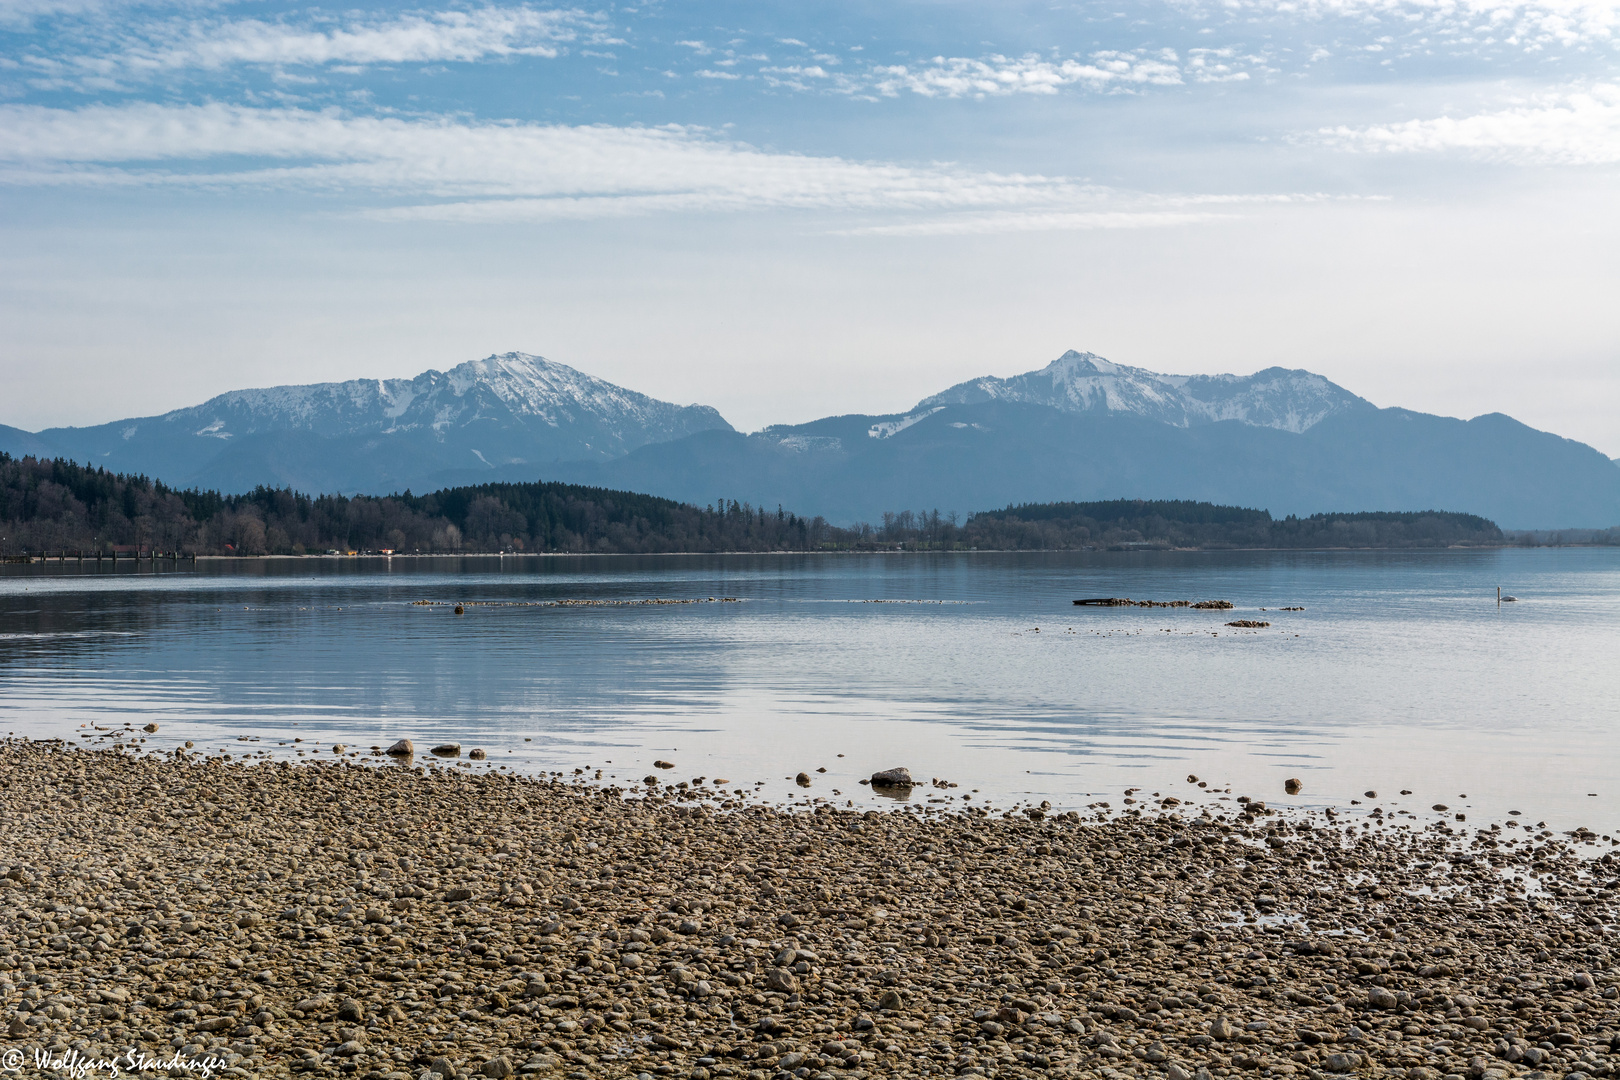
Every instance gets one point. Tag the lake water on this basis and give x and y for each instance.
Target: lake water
(1401, 672)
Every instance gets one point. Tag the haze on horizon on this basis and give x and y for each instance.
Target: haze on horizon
(789, 212)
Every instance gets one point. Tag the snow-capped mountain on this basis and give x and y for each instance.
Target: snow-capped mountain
(1085, 428)
(509, 410)
(1289, 400)
(1079, 428)
(512, 391)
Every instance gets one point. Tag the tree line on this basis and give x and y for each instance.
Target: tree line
(61, 505)
(54, 505)
(1128, 523)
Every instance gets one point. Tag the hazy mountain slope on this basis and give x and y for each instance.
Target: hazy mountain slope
(1290, 400)
(20, 443)
(990, 454)
(375, 435)
(1517, 475)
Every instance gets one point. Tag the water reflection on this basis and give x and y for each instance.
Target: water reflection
(1401, 671)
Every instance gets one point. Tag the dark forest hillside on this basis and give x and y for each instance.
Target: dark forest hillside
(1183, 524)
(58, 505)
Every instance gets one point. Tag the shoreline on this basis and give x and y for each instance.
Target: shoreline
(29, 560)
(387, 923)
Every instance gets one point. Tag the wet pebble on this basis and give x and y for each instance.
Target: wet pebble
(393, 922)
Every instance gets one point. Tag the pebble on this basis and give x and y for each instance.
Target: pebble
(400, 923)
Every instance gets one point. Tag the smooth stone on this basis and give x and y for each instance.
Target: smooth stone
(893, 778)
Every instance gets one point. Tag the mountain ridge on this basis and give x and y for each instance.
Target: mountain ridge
(1000, 452)
(1289, 399)
(1080, 428)
(506, 409)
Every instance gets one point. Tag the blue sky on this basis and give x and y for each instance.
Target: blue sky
(787, 210)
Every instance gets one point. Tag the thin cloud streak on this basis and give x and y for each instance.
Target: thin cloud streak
(452, 158)
(23, 13)
(1109, 208)
(454, 170)
(1575, 127)
(487, 33)
(1529, 25)
(999, 75)
(984, 224)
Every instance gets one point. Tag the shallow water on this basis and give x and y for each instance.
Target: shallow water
(1401, 672)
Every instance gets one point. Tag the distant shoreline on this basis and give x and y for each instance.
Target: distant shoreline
(35, 559)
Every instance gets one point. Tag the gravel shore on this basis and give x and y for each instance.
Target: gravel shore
(396, 920)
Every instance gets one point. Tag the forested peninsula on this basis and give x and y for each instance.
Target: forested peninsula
(57, 505)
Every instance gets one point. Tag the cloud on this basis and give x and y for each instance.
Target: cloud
(1461, 24)
(977, 224)
(797, 76)
(1214, 65)
(1031, 74)
(1573, 127)
(813, 71)
(451, 169)
(434, 37)
(14, 13)
(449, 157)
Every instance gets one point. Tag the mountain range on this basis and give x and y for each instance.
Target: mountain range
(1081, 428)
(512, 411)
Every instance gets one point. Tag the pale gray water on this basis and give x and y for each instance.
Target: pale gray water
(1402, 672)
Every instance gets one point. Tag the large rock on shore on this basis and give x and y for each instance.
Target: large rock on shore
(893, 778)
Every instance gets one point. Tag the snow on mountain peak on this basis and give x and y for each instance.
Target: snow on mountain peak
(1290, 400)
(515, 398)
(1072, 363)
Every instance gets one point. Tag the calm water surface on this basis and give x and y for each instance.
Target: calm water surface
(1401, 672)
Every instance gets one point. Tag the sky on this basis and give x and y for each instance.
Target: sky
(790, 210)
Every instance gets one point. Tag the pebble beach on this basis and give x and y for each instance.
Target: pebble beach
(404, 921)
